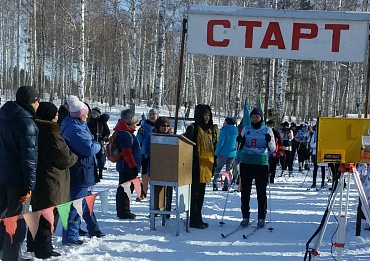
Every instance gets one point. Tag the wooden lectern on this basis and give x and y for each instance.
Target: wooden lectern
(171, 160)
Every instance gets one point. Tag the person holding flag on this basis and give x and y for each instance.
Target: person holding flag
(256, 140)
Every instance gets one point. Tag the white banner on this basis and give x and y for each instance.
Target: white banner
(272, 33)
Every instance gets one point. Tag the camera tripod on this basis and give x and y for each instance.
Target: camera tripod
(346, 173)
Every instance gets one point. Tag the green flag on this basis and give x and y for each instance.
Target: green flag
(63, 211)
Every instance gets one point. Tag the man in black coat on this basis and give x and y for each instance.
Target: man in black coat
(99, 128)
(18, 163)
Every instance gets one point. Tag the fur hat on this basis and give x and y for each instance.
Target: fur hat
(96, 109)
(153, 111)
(129, 117)
(46, 111)
(77, 108)
(230, 121)
(257, 111)
(272, 122)
(26, 94)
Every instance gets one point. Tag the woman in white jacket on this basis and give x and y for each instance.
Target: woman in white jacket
(315, 165)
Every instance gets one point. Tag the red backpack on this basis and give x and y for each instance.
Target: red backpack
(112, 149)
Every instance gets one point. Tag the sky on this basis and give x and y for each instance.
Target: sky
(294, 214)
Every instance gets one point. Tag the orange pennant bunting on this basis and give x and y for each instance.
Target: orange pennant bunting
(10, 224)
(137, 186)
(90, 201)
(32, 220)
(48, 214)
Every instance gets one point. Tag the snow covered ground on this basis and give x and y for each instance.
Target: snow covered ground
(294, 214)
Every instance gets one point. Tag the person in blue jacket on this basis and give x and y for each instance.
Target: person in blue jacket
(129, 164)
(256, 142)
(18, 164)
(143, 136)
(225, 151)
(81, 142)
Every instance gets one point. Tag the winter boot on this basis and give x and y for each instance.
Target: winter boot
(306, 166)
(244, 222)
(215, 187)
(290, 173)
(300, 166)
(313, 185)
(260, 223)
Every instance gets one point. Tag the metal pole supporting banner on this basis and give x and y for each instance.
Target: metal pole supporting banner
(179, 81)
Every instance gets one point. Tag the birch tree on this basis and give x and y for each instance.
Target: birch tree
(81, 54)
(160, 54)
(133, 55)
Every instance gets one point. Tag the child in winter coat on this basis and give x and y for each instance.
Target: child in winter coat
(287, 137)
(303, 139)
(205, 134)
(143, 136)
(129, 164)
(256, 142)
(313, 142)
(274, 156)
(225, 151)
(99, 128)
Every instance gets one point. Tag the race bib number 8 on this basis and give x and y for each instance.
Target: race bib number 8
(254, 143)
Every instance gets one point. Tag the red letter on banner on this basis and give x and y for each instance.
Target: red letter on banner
(210, 26)
(273, 29)
(249, 25)
(297, 34)
(336, 34)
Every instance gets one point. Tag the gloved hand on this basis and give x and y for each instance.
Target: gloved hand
(25, 195)
(135, 172)
(267, 138)
(239, 138)
(102, 150)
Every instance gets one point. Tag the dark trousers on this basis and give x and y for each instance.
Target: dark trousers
(288, 160)
(169, 192)
(122, 202)
(91, 222)
(43, 240)
(10, 206)
(198, 191)
(272, 168)
(74, 219)
(259, 173)
(294, 150)
(303, 152)
(100, 157)
(282, 162)
(334, 167)
(314, 174)
(145, 165)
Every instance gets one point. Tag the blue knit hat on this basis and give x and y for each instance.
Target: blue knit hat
(230, 121)
(257, 111)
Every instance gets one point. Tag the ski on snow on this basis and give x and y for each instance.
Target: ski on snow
(235, 230)
(255, 229)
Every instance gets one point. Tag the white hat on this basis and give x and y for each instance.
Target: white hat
(76, 107)
(74, 103)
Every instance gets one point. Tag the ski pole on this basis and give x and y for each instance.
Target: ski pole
(223, 213)
(270, 228)
(304, 179)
